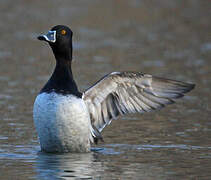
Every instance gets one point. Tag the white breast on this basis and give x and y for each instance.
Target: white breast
(62, 123)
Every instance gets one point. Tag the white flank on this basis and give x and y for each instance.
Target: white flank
(62, 123)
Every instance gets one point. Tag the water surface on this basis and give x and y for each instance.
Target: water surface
(165, 38)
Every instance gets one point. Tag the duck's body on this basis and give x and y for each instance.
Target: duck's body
(67, 120)
(62, 122)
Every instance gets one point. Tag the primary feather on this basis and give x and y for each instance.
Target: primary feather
(120, 93)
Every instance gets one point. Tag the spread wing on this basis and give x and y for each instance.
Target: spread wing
(120, 93)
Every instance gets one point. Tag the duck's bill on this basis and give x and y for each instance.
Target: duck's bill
(49, 37)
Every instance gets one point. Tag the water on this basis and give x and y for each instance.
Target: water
(165, 38)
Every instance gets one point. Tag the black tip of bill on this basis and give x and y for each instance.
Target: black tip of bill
(41, 38)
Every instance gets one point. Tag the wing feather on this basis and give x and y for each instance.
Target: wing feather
(120, 93)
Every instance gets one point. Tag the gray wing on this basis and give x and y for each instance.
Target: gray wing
(120, 93)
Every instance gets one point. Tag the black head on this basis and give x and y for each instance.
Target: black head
(60, 40)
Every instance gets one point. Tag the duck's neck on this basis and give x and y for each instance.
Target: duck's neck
(62, 81)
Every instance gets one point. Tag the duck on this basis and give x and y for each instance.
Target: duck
(67, 120)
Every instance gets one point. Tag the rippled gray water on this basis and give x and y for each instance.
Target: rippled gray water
(166, 38)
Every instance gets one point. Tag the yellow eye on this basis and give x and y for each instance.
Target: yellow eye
(63, 32)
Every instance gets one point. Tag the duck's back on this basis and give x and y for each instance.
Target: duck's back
(62, 123)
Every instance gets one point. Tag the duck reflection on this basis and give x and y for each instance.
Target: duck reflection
(111, 162)
(66, 166)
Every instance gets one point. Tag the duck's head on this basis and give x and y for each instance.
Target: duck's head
(60, 40)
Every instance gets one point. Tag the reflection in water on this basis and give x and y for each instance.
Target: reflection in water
(80, 165)
(145, 161)
(97, 164)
